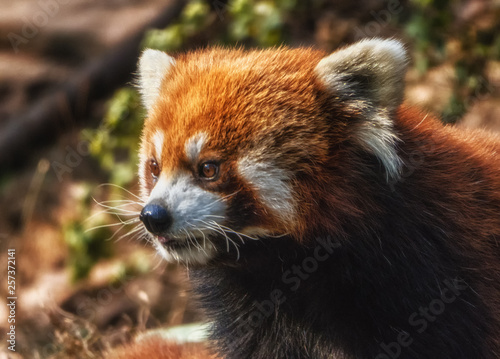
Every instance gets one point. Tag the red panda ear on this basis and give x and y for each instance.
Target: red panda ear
(368, 77)
(371, 70)
(152, 68)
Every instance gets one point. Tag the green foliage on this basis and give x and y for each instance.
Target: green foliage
(434, 31)
(262, 21)
(115, 143)
(194, 18)
(428, 26)
(138, 263)
(86, 240)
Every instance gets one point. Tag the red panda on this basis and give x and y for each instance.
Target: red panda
(319, 216)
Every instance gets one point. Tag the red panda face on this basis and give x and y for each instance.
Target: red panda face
(232, 140)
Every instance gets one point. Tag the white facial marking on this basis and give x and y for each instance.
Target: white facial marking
(193, 211)
(158, 139)
(272, 185)
(194, 145)
(142, 175)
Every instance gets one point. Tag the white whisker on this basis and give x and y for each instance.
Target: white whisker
(213, 215)
(121, 223)
(228, 239)
(122, 188)
(135, 234)
(122, 201)
(117, 208)
(239, 234)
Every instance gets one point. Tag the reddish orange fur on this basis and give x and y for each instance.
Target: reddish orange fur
(195, 99)
(155, 347)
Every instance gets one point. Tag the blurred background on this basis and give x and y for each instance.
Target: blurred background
(70, 121)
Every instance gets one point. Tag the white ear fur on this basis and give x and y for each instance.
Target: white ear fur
(153, 66)
(372, 70)
(369, 78)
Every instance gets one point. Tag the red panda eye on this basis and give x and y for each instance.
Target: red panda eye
(209, 170)
(154, 168)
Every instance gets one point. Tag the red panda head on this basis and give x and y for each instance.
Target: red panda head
(237, 144)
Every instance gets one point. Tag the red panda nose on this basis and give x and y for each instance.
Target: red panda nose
(156, 218)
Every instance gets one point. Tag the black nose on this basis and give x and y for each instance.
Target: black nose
(156, 218)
